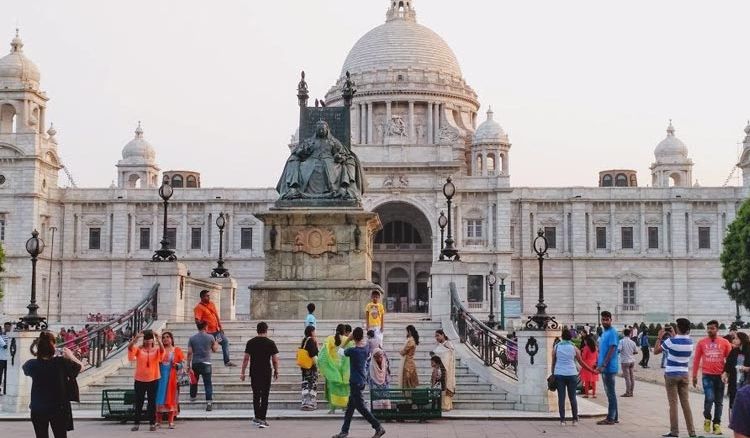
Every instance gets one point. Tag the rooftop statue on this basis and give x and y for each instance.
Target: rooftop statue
(321, 167)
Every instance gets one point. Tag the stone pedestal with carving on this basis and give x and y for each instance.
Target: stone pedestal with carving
(532, 377)
(321, 255)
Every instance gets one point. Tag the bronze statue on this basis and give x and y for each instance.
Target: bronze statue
(321, 167)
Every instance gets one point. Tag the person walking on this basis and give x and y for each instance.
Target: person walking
(710, 357)
(446, 352)
(737, 366)
(589, 356)
(168, 392)
(357, 379)
(200, 347)
(335, 369)
(408, 377)
(261, 353)
(147, 373)
(678, 348)
(310, 375)
(627, 350)
(564, 358)
(205, 311)
(51, 388)
(645, 350)
(608, 364)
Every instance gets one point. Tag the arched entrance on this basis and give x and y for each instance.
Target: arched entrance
(402, 257)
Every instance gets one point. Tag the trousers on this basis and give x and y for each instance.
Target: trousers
(261, 386)
(143, 390)
(357, 402)
(202, 370)
(677, 390)
(713, 390)
(627, 373)
(43, 422)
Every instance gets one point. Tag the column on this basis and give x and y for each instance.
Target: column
(355, 125)
(612, 227)
(430, 138)
(369, 122)
(484, 160)
(644, 234)
(362, 123)
(412, 132)
(436, 123)
(387, 111)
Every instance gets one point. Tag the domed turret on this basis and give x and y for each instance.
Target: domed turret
(672, 166)
(671, 149)
(16, 69)
(489, 150)
(138, 150)
(138, 169)
(490, 131)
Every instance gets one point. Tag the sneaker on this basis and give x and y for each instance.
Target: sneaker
(209, 407)
(717, 429)
(152, 428)
(670, 434)
(575, 422)
(255, 421)
(230, 364)
(707, 426)
(193, 399)
(171, 425)
(378, 433)
(135, 428)
(263, 424)
(605, 422)
(340, 435)
(562, 423)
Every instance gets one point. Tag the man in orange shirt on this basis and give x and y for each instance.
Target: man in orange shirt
(712, 351)
(205, 311)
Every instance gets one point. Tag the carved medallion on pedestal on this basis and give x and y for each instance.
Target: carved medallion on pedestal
(315, 241)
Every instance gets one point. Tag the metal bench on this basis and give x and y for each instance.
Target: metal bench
(118, 404)
(406, 404)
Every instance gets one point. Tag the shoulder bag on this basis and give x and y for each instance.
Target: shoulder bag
(304, 360)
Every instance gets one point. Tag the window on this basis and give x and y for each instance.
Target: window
(621, 180)
(2, 230)
(479, 164)
(145, 238)
(475, 289)
(95, 238)
(601, 237)
(398, 232)
(626, 233)
(607, 180)
(551, 234)
(195, 238)
(704, 237)
(490, 162)
(628, 295)
(653, 237)
(474, 228)
(176, 181)
(191, 181)
(246, 238)
(172, 238)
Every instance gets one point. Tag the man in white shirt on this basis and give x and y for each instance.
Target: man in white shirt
(628, 350)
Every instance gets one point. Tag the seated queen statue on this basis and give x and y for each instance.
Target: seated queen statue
(321, 167)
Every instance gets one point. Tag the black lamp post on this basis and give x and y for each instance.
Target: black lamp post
(442, 222)
(220, 270)
(598, 314)
(491, 280)
(737, 287)
(164, 254)
(541, 321)
(502, 276)
(449, 252)
(32, 320)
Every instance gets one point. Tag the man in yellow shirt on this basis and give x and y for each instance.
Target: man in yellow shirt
(375, 315)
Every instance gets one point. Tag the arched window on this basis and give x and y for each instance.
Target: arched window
(7, 119)
(621, 180)
(376, 277)
(398, 232)
(490, 162)
(633, 181)
(674, 180)
(479, 164)
(176, 181)
(134, 181)
(191, 181)
(607, 180)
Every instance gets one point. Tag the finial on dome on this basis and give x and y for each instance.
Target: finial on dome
(52, 132)
(401, 10)
(747, 128)
(670, 128)
(139, 130)
(16, 44)
(490, 113)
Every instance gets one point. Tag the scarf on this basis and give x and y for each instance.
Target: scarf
(378, 373)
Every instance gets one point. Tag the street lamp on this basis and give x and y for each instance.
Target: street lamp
(449, 252)
(598, 314)
(541, 321)
(502, 276)
(164, 254)
(737, 287)
(442, 222)
(491, 280)
(34, 246)
(220, 270)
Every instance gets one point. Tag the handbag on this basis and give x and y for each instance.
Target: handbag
(183, 376)
(552, 383)
(304, 360)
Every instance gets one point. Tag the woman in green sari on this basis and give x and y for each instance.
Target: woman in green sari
(335, 368)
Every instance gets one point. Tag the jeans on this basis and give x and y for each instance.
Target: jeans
(202, 370)
(224, 345)
(646, 356)
(677, 389)
(569, 384)
(608, 379)
(143, 390)
(3, 370)
(627, 373)
(356, 401)
(261, 386)
(713, 390)
(42, 423)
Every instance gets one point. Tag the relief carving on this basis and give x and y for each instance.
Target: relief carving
(315, 241)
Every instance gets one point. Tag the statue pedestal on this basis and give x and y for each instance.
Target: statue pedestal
(320, 255)
(532, 378)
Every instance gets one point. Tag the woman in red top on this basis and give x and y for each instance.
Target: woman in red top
(589, 356)
(147, 358)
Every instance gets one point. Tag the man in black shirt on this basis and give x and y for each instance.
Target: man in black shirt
(260, 353)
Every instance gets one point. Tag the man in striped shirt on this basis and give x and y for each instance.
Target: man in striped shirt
(678, 349)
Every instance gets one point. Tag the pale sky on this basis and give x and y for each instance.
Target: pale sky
(580, 86)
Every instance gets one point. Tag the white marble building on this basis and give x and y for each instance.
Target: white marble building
(646, 253)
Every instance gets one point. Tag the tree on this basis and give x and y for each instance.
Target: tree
(735, 257)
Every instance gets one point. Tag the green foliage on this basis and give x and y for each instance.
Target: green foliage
(735, 257)
(700, 326)
(652, 330)
(658, 328)
(642, 328)
(722, 326)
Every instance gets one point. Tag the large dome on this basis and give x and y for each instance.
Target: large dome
(401, 43)
(16, 67)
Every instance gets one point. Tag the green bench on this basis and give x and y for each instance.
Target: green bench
(118, 404)
(406, 404)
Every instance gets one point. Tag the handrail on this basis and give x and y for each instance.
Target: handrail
(491, 347)
(110, 338)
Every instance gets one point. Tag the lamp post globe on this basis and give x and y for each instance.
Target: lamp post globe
(449, 251)
(165, 254)
(220, 270)
(442, 223)
(491, 281)
(449, 189)
(541, 320)
(32, 320)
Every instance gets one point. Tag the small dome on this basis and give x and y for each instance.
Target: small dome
(16, 67)
(138, 150)
(490, 131)
(671, 148)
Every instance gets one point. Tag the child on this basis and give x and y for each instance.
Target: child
(375, 319)
(438, 373)
(310, 319)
